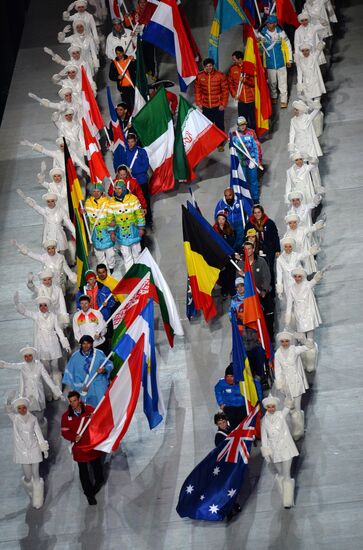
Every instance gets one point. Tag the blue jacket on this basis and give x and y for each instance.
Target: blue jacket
(141, 165)
(236, 303)
(103, 292)
(229, 395)
(275, 58)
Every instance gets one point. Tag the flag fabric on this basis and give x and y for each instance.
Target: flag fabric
(82, 265)
(190, 306)
(195, 137)
(141, 87)
(159, 290)
(263, 107)
(115, 12)
(249, 7)
(96, 163)
(166, 31)
(119, 141)
(211, 489)
(91, 111)
(154, 126)
(252, 312)
(191, 40)
(228, 14)
(238, 182)
(113, 414)
(204, 259)
(241, 367)
(285, 12)
(213, 235)
(154, 408)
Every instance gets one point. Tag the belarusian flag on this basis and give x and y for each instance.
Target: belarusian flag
(141, 87)
(159, 290)
(154, 126)
(195, 137)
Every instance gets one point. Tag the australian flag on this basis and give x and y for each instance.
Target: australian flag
(212, 488)
(238, 182)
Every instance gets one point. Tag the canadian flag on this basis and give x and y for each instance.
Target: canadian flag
(91, 110)
(97, 166)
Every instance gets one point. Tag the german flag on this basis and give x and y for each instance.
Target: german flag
(205, 259)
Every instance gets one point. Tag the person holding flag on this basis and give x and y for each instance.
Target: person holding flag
(248, 150)
(241, 83)
(96, 207)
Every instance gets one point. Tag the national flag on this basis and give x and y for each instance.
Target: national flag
(238, 183)
(141, 87)
(113, 414)
(190, 306)
(195, 137)
(213, 235)
(211, 489)
(97, 166)
(228, 14)
(159, 290)
(119, 141)
(241, 367)
(166, 31)
(252, 311)
(91, 111)
(205, 259)
(191, 40)
(252, 59)
(154, 408)
(285, 12)
(82, 265)
(249, 7)
(115, 12)
(154, 126)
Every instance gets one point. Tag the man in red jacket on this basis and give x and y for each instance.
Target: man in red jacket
(241, 83)
(211, 94)
(73, 420)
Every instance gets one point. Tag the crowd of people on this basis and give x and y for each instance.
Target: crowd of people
(118, 215)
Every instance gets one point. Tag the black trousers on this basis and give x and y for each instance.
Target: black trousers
(146, 193)
(215, 115)
(84, 475)
(128, 96)
(235, 415)
(248, 111)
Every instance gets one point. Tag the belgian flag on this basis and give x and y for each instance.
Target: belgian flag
(204, 258)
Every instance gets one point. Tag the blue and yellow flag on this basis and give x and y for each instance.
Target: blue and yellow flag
(241, 367)
(228, 14)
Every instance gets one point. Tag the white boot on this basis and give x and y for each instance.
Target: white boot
(297, 424)
(279, 480)
(309, 358)
(38, 493)
(288, 487)
(28, 486)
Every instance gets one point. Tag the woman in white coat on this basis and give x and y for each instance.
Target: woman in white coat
(302, 136)
(57, 185)
(29, 444)
(303, 177)
(47, 335)
(308, 32)
(53, 292)
(81, 37)
(278, 447)
(288, 260)
(309, 79)
(57, 154)
(303, 208)
(302, 238)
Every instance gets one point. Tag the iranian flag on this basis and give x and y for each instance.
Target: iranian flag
(195, 137)
(159, 290)
(154, 126)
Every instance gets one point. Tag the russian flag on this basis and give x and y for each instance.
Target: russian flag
(166, 31)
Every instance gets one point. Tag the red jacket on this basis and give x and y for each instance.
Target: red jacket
(69, 427)
(211, 89)
(247, 94)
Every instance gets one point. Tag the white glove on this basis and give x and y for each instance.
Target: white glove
(67, 28)
(289, 403)
(46, 454)
(56, 78)
(318, 276)
(71, 6)
(251, 164)
(44, 102)
(316, 104)
(26, 142)
(309, 343)
(30, 277)
(16, 298)
(66, 345)
(21, 247)
(290, 147)
(61, 37)
(66, 16)
(30, 202)
(314, 250)
(317, 199)
(48, 51)
(57, 58)
(319, 225)
(321, 190)
(41, 178)
(320, 46)
(266, 452)
(55, 116)
(73, 278)
(38, 148)
(278, 384)
(96, 64)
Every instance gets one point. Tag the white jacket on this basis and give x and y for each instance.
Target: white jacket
(302, 301)
(276, 436)
(29, 442)
(302, 135)
(89, 323)
(300, 179)
(54, 219)
(290, 376)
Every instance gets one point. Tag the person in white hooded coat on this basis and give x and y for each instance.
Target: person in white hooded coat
(303, 240)
(75, 58)
(29, 445)
(301, 301)
(69, 77)
(82, 15)
(83, 38)
(58, 154)
(302, 208)
(310, 82)
(303, 176)
(288, 260)
(69, 129)
(52, 291)
(69, 100)
(307, 32)
(317, 12)
(302, 135)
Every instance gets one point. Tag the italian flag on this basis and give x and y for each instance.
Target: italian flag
(154, 127)
(195, 137)
(159, 290)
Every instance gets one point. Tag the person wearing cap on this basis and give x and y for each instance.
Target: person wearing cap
(75, 58)
(229, 398)
(100, 295)
(123, 72)
(310, 82)
(308, 32)
(224, 428)
(277, 55)
(57, 155)
(29, 448)
(211, 94)
(241, 84)
(303, 176)
(48, 336)
(56, 186)
(317, 12)
(303, 239)
(232, 208)
(302, 135)
(83, 365)
(106, 279)
(237, 303)
(228, 273)
(50, 259)
(126, 222)
(290, 378)
(123, 173)
(120, 36)
(301, 301)
(83, 38)
(70, 129)
(252, 237)
(33, 378)
(278, 447)
(96, 207)
(73, 420)
(249, 154)
(137, 161)
(52, 291)
(69, 77)
(89, 322)
(302, 208)
(80, 6)
(54, 217)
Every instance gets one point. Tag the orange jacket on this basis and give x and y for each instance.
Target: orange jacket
(211, 89)
(247, 94)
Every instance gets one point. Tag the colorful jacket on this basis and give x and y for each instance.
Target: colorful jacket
(278, 48)
(98, 295)
(97, 215)
(211, 89)
(128, 217)
(251, 145)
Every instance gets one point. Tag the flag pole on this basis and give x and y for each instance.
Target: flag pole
(258, 12)
(85, 222)
(273, 8)
(244, 392)
(96, 373)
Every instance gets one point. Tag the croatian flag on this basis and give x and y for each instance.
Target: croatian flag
(166, 30)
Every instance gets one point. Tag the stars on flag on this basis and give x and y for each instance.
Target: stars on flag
(216, 471)
(189, 489)
(213, 509)
(202, 497)
(231, 492)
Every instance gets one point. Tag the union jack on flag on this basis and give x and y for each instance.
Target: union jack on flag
(236, 445)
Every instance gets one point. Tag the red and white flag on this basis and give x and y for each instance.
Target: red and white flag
(91, 110)
(97, 166)
(113, 414)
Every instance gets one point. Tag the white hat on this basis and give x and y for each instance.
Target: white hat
(270, 400)
(300, 106)
(292, 218)
(63, 91)
(306, 46)
(45, 274)
(28, 350)
(50, 197)
(288, 240)
(298, 271)
(49, 242)
(59, 141)
(284, 335)
(74, 48)
(295, 195)
(239, 281)
(43, 300)
(303, 15)
(297, 155)
(70, 67)
(56, 172)
(20, 401)
(80, 3)
(79, 21)
(69, 111)
(241, 120)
